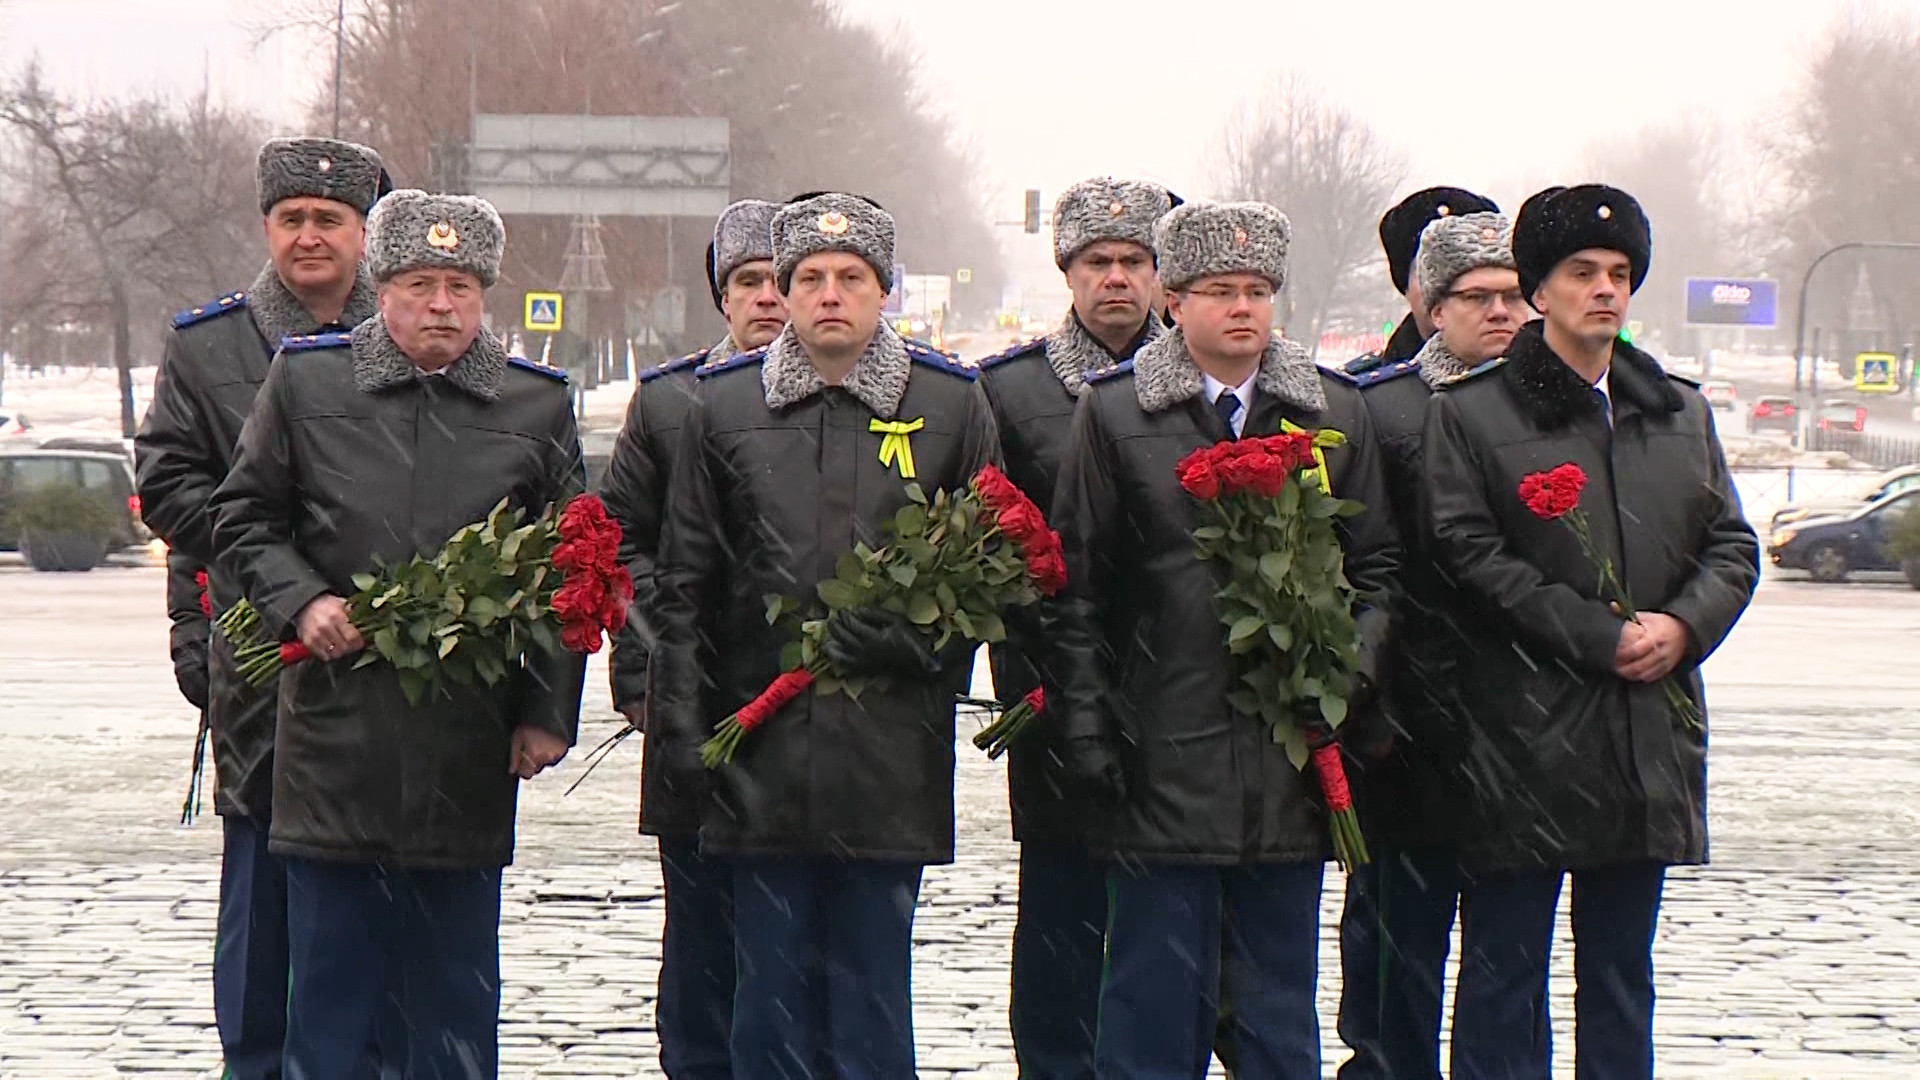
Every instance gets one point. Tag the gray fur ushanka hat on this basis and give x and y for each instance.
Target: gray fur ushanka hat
(1452, 247)
(743, 234)
(412, 230)
(1104, 208)
(832, 222)
(317, 168)
(1203, 239)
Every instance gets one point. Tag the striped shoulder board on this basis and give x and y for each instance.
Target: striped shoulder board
(558, 375)
(1124, 367)
(212, 309)
(334, 339)
(671, 366)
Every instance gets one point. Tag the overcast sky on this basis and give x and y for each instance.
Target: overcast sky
(1500, 95)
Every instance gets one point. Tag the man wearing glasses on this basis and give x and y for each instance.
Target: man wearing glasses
(1400, 907)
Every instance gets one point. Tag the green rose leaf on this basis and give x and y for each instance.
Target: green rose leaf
(838, 594)
(923, 609)
(1333, 708)
(1244, 629)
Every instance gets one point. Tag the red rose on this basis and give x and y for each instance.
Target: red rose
(580, 637)
(1048, 571)
(1022, 523)
(1270, 476)
(584, 515)
(613, 612)
(1198, 475)
(1552, 494)
(579, 599)
(995, 489)
(206, 602)
(1239, 474)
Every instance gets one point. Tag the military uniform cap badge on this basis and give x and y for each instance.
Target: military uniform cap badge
(834, 223)
(442, 236)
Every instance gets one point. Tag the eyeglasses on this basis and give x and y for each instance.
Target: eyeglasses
(1227, 294)
(1483, 298)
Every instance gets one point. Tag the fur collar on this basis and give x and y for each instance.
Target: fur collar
(1554, 396)
(279, 314)
(1072, 350)
(378, 363)
(1164, 374)
(724, 349)
(878, 378)
(1438, 365)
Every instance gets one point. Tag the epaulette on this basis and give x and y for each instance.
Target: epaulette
(1360, 365)
(1684, 380)
(739, 359)
(934, 358)
(1383, 373)
(1113, 371)
(558, 375)
(671, 366)
(1482, 369)
(333, 339)
(231, 302)
(1023, 349)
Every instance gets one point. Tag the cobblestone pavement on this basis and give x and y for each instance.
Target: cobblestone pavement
(1797, 954)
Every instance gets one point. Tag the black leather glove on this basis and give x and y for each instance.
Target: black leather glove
(1090, 769)
(875, 643)
(190, 675)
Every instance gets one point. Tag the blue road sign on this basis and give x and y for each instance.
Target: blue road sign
(1732, 302)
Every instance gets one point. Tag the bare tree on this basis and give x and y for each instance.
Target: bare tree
(813, 101)
(1850, 153)
(1332, 174)
(123, 212)
(1682, 176)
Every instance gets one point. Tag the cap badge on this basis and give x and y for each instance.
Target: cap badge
(443, 237)
(1443, 210)
(1116, 208)
(1239, 238)
(1488, 234)
(326, 165)
(1605, 212)
(834, 223)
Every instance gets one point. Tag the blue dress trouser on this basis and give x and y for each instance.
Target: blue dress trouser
(695, 1019)
(1395, 931)
(1059, 949)
(250, 952)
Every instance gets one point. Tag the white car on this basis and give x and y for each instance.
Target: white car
(1721, 395)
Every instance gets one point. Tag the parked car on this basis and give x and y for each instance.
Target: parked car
(1840, 414)
(109, 474)
(1870, 488)
(1830, 548)
(1721, 395)
(1771, 413)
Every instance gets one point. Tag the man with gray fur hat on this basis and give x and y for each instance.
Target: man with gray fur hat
(314, 196)
(695, 1011)
(1103, 243)
(1398, 920)
(791, 455)
(1216, 841)
(395, 819)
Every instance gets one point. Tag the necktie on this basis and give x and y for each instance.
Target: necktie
(1606, 404)
(1227, 406)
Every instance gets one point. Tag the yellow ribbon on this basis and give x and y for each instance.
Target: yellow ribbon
(896, 448)
(1288, 427)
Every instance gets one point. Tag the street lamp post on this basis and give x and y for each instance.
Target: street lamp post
(1800, 319)
(339, 58)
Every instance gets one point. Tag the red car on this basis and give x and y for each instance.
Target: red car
(1772, 413)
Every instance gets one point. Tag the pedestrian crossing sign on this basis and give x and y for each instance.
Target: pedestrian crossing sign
(544, 311)
(1876, 373)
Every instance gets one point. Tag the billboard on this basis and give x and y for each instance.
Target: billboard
(1750, 302)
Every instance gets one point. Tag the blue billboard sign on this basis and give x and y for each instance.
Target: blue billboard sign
(1732, 302)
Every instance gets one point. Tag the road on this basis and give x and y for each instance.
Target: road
(1796, 954)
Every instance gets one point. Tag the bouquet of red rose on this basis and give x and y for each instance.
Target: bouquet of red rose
(952, 565)
(1554, 495)
(497, 589)
(1286, 605)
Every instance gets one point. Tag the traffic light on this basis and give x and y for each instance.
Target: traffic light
(1033, 210)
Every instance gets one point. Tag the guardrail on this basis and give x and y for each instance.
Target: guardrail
(1881, 451)
(1764, 491)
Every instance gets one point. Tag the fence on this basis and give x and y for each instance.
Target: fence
(1764, 491)
(1881, 451)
